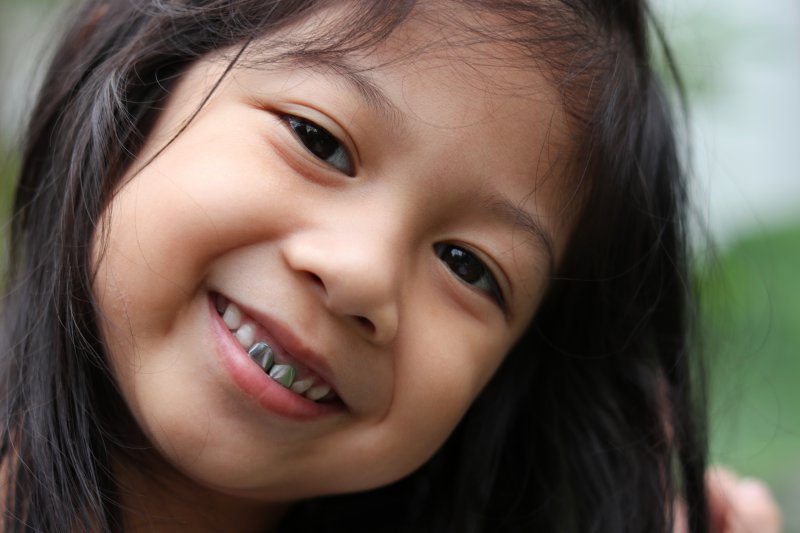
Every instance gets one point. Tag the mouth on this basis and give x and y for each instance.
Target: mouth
(277, 364)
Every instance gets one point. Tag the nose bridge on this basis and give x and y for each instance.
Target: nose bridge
(365, 253)
(356, 260)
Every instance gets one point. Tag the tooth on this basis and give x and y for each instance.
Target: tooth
(318, 392)
(232, 317)
(303, 385)
(283, 374)
(246, 334)
(262, 353)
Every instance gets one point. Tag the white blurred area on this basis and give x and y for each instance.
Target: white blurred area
(741, 60)
(28, 29)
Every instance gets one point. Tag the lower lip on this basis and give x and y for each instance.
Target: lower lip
(254, 382)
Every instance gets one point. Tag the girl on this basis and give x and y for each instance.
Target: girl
(381, 266)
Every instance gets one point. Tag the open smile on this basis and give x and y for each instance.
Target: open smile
(303, 392)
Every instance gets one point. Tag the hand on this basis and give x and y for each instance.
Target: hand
(740, 505)
(735, 505)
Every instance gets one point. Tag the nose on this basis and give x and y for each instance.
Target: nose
(356, 276)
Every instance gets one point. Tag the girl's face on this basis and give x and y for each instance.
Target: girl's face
(386, 224)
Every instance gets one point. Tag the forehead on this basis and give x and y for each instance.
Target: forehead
(440, 44)
(452, 72)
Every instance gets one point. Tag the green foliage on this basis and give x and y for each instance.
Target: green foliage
(751, 308)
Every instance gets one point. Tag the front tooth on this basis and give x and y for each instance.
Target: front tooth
(318, 392)
(232, 317)
(302, 385)
(246, 334)
(262, 353)
(283, 374)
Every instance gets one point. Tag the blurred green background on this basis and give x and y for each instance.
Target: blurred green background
(741, 63)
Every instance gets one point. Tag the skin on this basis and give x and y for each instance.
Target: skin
(741, 504)
(237, 205)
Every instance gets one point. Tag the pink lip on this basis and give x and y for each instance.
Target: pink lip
(252, 380)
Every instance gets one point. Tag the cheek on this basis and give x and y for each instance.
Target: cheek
(439, 373)
(164, 227)
(149, 253)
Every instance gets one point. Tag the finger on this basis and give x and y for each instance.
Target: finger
(753, 509)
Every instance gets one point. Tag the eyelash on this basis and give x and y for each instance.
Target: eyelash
(321, 144)
(471, 267)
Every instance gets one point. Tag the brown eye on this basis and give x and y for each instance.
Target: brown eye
(321, 143)
(470, 270)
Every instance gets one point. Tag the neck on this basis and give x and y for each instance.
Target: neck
(159, 499)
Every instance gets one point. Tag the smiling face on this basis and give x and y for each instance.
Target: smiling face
(388, 233)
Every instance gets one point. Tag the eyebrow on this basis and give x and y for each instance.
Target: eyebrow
(370, 93)
(513, 215)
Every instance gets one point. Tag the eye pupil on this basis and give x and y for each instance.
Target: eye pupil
(318, 141)
(464, 264)
(471, 270)
(321, 143)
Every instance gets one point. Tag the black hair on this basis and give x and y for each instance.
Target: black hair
(594, 421)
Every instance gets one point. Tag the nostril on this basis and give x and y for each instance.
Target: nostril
(366, 323)
(316, 280)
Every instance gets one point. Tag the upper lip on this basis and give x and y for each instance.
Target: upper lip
(292, 345)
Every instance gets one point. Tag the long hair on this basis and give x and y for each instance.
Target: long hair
(593, 422)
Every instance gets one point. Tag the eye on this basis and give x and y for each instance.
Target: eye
(321, 143)
(470, 270)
